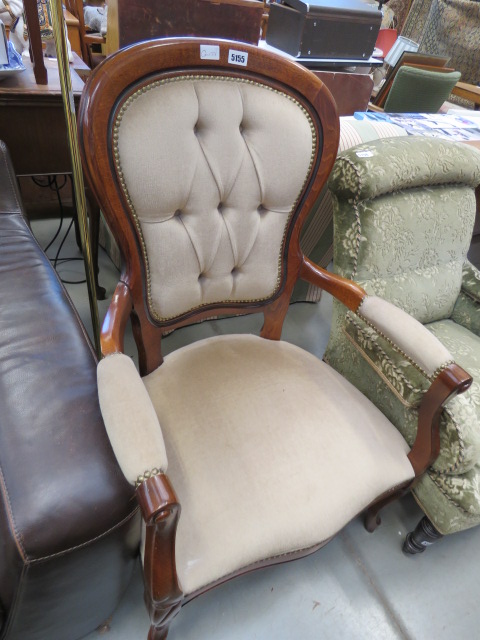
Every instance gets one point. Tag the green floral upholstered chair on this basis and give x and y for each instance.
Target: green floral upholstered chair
(404, 212)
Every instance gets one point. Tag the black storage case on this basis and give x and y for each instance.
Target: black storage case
(342, 29)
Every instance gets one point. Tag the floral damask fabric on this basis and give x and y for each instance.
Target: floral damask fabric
(406, 240)
(466, 311)
(387, 165)
(405, 380)
(380, 374)
(399, 240)
(451, 502)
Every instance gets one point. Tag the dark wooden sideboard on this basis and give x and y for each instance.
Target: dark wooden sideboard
(32, 125)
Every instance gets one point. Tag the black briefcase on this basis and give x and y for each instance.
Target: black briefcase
(343, 29)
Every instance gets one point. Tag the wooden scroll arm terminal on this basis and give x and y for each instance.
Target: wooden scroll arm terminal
(451, 381)
(115, 322)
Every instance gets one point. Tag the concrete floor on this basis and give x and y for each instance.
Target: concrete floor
(360, 586)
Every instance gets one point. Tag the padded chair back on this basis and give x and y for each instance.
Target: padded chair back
(404, 210)
(419, 90)
(206, 173)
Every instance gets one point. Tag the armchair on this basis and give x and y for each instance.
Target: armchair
(206, 167)
(404, 211)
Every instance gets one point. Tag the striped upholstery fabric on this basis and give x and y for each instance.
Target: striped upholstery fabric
(317, 235)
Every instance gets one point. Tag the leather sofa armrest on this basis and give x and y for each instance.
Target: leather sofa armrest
(10, 199)
(63, 502)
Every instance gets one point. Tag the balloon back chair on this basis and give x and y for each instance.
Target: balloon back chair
(206, 156)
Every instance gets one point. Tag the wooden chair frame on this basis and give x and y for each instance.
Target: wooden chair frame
(107, 89)
(86, 39)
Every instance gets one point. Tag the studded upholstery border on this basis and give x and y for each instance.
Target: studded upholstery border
(212, 169)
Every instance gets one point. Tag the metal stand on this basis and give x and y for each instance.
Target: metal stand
(79, 187)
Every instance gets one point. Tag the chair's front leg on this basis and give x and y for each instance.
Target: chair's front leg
(163, 595)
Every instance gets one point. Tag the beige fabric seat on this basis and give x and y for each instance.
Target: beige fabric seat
(310, 484)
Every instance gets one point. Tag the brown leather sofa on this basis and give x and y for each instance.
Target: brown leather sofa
(69, 530)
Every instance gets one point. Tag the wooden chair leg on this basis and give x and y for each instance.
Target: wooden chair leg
(422, 537)
(372, 518)
(157, 634)
(163, 595)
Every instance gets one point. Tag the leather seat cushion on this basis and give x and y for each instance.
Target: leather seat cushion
(270, 451)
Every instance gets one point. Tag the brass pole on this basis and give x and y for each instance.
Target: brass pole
(79, 187)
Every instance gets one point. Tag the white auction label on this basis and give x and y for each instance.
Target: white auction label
(209, 52)
(364, 154)
(237, 57)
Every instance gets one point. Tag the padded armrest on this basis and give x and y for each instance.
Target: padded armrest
(130, 419)
(428, 354)
(405, 333)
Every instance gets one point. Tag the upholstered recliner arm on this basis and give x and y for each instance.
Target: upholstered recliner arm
(411, 344)
(406, 335)
(467, 307)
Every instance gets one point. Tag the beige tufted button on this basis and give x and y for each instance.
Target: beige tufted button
(235, 271)
(241, 128)
(177, 213)
(195, 129)
(261, 209)
(220, 207)
(202, 277)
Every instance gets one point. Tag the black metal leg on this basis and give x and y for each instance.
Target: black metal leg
(424, 535)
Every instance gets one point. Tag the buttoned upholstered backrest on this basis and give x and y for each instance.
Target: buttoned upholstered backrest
(212, 168)
(207, 169)
(404, 210)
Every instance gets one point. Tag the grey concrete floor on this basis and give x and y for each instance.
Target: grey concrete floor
(360, 586)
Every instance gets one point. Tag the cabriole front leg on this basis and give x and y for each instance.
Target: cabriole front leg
(163, 595)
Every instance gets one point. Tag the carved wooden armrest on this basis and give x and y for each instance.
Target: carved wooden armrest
(115, 322)
(348, 292)
(411, 339)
